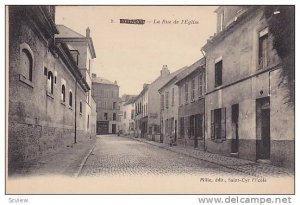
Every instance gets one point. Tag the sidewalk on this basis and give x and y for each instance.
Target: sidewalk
(63, 161)
(241, 165)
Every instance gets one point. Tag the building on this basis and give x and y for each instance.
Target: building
(246, 113)
(141, 113)
(106, 96)
(169, 96)
(47, 90)
(191, 88)
(127, 114)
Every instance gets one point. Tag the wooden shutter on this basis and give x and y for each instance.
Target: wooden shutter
(212, 125)
(223, 123)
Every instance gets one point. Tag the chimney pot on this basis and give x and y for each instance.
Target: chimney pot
(87, 32)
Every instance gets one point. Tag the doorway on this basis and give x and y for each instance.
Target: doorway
(113, 128)
(263, 128)
(235, 128)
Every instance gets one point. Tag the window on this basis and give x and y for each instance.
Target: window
(218, 73)
(193, 90)
(181, 134)
(201, 85)
(114, 116)
(105, 116)
(180, 94)
(167, 99)
(63, 93)
(26, 64)
(218, 124)
(114, 105)
(80, 107)
(186, 92)
(263, 49)
(125, 115)
(70, 99)
(132, 114)
(50, 82)
(162, 102)
(173, 96)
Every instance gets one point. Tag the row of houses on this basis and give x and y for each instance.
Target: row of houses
(230, 102)
(50, 104)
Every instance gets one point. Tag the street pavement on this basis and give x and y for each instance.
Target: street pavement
(116, 155)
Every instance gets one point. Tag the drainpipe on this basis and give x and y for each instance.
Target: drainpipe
(75, 97)
(204, 118)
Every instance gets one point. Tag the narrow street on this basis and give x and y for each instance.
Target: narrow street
(115, 155)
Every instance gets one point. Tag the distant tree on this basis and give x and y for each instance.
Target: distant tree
(281, 21)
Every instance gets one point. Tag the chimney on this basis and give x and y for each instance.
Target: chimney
(87, 32)
(94, 75)
(164, 71)
(116, 83)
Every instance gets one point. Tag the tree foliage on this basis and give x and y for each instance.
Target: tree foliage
(281, 21)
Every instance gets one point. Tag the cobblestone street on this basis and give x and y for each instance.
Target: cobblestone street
(122, 156)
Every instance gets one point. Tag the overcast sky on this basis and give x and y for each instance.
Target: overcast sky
(134, 54)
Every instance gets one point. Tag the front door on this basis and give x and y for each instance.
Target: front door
(263, 128)
(113, 128)
(235, 128)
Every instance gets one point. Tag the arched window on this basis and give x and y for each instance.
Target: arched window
(80, 107)
(26, 64)
(70, 99)
(63, 93)
(50, 82)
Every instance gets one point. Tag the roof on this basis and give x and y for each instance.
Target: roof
(68, 35)
(175, 75)
(130, 100)
(102, 81)
(189, 70)
(65, 32)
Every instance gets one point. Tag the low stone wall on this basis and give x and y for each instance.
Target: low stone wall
(27, 142)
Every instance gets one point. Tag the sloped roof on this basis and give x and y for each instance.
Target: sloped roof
(65, 32)
(102, 81)
(175, 75)
(130, 100)
(190, 69)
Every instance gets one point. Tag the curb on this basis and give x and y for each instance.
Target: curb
(84, 161)
(189, 155)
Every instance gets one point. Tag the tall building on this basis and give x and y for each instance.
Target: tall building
(246, 113)
(106, 96)
(47, 90)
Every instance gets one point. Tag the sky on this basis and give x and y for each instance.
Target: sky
(134, 54)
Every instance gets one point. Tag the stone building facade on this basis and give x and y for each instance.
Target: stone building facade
(191, 88)
(106, 96)
(169, 104)
(47, 91)
(246, 113)
(141, 113)
(127, 115)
